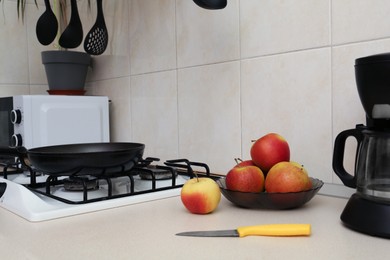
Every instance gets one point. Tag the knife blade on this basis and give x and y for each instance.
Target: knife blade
(259, 230)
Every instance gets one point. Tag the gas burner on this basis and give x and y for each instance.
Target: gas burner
(61, 193)
(146, 171)
(81, 183)
(155, 172)
(159, 173)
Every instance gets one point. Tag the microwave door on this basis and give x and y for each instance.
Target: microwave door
(70, 122)
(6, 126)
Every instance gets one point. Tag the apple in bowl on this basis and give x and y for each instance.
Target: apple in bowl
(269, 150)
(287, 177)
(241, 163)
(245, 179)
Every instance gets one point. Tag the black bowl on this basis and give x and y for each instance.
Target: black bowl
(265, 200)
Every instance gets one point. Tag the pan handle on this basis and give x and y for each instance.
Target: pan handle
(19, 151)
(3, 187)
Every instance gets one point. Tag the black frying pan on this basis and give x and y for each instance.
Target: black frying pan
(80, 159)
(211, 4)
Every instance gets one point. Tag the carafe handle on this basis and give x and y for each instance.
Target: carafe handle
(338, 155)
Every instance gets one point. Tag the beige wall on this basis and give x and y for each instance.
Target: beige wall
(202, 84)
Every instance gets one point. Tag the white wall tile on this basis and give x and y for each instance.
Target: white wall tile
(152, 36)
(10, 90)
(359, 20)
(291, 95)
(269, 26)
(116, 16)
(115, 61)
(13, 46)
(209, 114)
(108, 66)
(205, 36)
(39, 90)
(154, 113)
(118, 91)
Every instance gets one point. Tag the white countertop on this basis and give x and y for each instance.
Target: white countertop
(147, 231)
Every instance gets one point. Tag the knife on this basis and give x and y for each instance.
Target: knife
(259, 230)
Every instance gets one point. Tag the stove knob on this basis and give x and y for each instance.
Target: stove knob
(16, 140)
(16, 116)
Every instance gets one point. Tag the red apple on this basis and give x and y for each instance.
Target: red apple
(245, 179)
(200, 195)
(309, 184)
(287, 177)
(269, 150)
(241, 163)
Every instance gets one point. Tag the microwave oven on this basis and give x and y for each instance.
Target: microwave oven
(43, 120)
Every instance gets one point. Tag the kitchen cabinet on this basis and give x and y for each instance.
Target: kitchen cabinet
(147, 231)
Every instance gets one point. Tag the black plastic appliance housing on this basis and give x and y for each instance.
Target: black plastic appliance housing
(372, 74)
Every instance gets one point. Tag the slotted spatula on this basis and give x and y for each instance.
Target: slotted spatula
(96, 41)
(73, 33)
(47, 26)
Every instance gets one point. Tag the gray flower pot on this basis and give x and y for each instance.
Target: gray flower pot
(66, 70)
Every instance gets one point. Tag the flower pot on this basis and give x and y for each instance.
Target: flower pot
(66, 70)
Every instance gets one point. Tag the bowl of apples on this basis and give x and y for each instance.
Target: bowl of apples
(270, 200)
(269, 180)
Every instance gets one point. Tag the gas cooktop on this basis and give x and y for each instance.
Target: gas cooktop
(39, 197)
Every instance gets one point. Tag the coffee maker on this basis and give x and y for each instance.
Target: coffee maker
(368, 210)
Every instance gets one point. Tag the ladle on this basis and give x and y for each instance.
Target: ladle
(73, 33)
(47, 26)
(211, 4)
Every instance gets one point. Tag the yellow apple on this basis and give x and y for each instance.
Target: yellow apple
(269, 150)
(287, 177)
(245, 179)
(200, 195)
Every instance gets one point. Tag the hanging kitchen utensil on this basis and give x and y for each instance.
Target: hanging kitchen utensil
(73, 33)
(96, 41)
(211, 4)
(80, 159)
(47, 26)
(260, 230)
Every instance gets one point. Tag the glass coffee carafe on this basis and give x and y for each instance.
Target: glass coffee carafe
(372, 167)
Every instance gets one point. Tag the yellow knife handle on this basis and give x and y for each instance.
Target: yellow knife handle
(275, 230)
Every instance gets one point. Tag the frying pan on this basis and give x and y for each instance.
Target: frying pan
(211, 4)
(80, 159)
